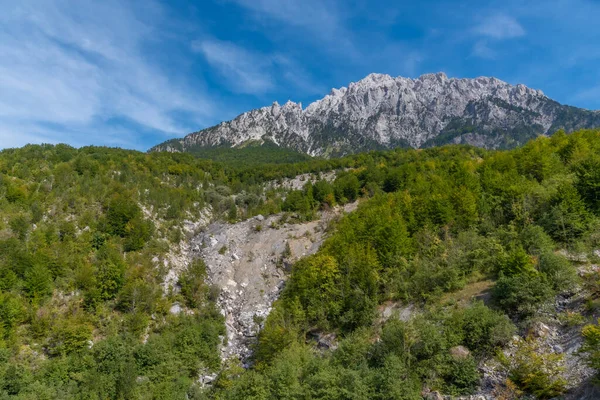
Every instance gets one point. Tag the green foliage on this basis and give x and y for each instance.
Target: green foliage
(591, 346)
(250, 154)
(517, 262)
(119, 212)
(537, 372)
(323, 193)
(481, 329)
(110, 272)
(68, 336)
(567, 217)
(588, 182)
(192, 285)
(137, 233)
(346, 188)
(38, 282)
(20, 226)
(560, 272)
(84, 234)
(12, 312)
(314, 279)
(520, 295)
(297, 202)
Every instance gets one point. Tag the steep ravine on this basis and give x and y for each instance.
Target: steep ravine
(249, 262)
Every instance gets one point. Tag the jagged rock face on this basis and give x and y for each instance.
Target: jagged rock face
(384, 112)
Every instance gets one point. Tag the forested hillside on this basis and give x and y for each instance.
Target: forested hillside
(85, 235)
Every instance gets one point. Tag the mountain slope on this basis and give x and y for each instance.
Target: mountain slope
(381, 112)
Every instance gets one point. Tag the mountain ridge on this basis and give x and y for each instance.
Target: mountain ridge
(382, 112)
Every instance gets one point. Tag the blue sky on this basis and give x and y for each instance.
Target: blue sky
(135, 73)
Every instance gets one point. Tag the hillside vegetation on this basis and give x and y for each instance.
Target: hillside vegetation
(85, 233)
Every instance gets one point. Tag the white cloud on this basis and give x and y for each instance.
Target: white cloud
(482, 49)
(323, 20)
(317, 15)
(500, 26)
(253, 72)
(76, 64)
(246, 72)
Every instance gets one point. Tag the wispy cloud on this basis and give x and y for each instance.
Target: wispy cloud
(482, 49)
(253, 72)
(491, 30)
(320, 16)
(500, 26)
(80, 64)
(245, 71)
(323, 21)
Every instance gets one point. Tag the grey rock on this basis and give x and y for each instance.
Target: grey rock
(251, 280)
(381, 111)
(459, 352)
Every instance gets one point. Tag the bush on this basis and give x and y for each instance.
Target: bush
(68, 336)
(323, 193)
(560, 272)
(535, 240)
(588, 182)
(567, 217)
(296, 201)
(38, 282)
(119, 211)
(462, 376)
(137, 232)
(521, 295)
(591, 346)
(482, 329)
(536, 372)
(192, 285)
(110, 272)
(20, 226)
(313, 283)
(346, 188)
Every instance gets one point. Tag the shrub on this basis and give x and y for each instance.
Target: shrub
(137, 232)
(192, 285)
(535, 240)
(119, 211)
(110, 272)
(559, 271)
(591, 346)
(462, 376)
(482, 329)
(296, 201)
(346, 188)
(20, 226)
(313, 283)
(521, 295)
(536, 372)
(68, 336)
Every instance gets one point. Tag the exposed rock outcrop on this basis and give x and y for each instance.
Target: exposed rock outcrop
(249, 262)
(381, 111)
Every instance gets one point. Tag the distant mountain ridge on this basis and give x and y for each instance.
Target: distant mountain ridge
(382, 112)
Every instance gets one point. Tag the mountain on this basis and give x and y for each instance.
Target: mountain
(381, 111)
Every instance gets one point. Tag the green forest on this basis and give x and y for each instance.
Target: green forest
(85, 314)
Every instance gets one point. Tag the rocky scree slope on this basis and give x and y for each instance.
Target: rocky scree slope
(382, 112)
(249, 262)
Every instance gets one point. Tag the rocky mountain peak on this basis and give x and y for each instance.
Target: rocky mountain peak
(380, 111)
